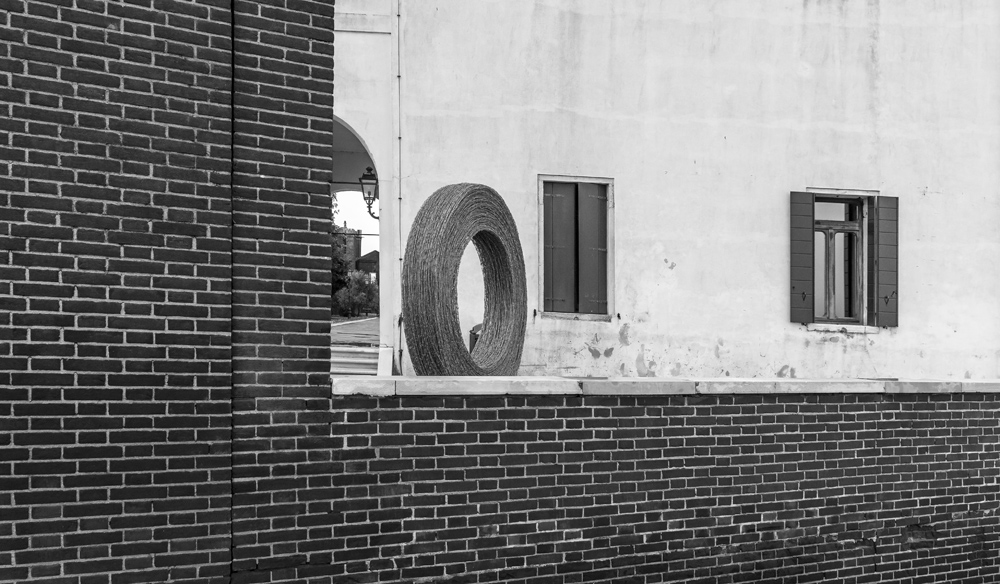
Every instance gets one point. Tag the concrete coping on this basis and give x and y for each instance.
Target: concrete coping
(438, 386)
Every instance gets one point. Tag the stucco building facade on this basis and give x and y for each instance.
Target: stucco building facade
(701, 119)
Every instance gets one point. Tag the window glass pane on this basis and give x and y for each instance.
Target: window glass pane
(839, 280)
(819, 274)
(830, 211)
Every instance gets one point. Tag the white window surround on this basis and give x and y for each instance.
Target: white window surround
(540, 292)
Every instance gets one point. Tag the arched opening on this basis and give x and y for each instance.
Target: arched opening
(355, 257)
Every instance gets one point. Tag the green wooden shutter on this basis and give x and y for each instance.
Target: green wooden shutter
(802, 229)
(559, 202)
(871, 287)
(887, 261)
(547, 230)
(592, 249)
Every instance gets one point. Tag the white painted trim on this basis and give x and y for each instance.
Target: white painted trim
(540, 295)
(394, 222)
(854, 192)
(384, 361)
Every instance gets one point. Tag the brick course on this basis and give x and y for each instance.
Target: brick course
(115, 237)
(281, 285)
(727, 488)
(116, 255)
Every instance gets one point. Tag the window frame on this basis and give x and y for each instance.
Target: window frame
(881, 303)
(609, 184)
(860, 287)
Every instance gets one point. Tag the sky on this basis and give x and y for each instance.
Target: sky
(351, 208)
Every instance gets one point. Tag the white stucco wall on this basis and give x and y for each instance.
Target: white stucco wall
(365, 98)
(706, 115)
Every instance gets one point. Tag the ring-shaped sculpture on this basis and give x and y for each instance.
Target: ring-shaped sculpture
(452, 217)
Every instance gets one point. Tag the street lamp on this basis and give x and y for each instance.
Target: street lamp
(369, 188)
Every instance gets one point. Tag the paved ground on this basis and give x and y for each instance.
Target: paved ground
(355, 332)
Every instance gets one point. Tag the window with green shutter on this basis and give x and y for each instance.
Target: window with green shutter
(843, 258)
(575, 247)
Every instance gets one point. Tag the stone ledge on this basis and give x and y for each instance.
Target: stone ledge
(923, 386)
(637, 386)
(727, 385)
(384, 386)
(410, 386)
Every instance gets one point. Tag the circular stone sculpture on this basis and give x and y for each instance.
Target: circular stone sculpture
(452, 217)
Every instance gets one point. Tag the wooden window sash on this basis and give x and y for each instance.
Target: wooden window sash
(859, 286)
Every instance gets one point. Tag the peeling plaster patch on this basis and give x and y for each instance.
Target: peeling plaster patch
(595, 353)
(718, 347)
(792, 373)
(623, 335)
(968, 375)
(676, 369)
(783, 372)
(727, 374)
(640, 365)
(642, 368)
(670, 265)
(622, 368)
(609, 351)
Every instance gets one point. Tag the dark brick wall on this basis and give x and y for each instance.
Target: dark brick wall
(748, 488)
(118, 258)
(114, 291)
(281, 288)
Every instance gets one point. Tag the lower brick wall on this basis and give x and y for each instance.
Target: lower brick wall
(721, 488)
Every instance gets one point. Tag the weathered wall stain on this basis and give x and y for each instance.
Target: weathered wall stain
(591, 346)
(623, 335)
(643, 368)
(786, 371)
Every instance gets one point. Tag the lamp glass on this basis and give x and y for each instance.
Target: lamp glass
(368, 191)
(369, 186)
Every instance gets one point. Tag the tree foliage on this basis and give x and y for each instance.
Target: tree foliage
(340, 265)
(359, 295)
